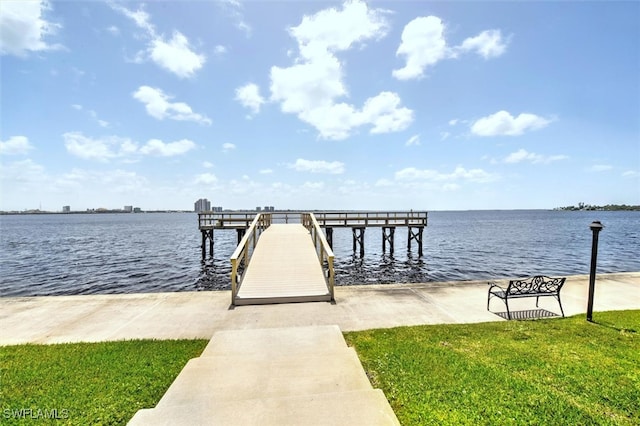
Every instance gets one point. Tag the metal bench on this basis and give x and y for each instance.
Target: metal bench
(538, 286)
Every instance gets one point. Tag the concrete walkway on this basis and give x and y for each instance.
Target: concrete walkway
(280, 364)
(188, 315)
(276, 376)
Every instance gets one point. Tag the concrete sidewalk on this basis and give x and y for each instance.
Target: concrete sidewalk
(187, 315)
(272, 377)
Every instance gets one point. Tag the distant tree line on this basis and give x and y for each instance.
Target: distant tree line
(608, 207)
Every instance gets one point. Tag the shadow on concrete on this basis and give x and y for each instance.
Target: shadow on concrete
(529, 314)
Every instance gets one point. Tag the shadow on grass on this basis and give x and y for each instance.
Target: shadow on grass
(614, 327)
(529, 314)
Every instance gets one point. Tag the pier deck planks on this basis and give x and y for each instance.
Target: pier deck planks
(284, 268)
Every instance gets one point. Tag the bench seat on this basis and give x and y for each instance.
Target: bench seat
(538, 286)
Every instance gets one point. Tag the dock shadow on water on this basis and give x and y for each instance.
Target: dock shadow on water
(214, 274)
(350, 270)
(380, 269)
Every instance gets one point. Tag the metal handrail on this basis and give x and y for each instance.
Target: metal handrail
(244, 250)
(325, 253)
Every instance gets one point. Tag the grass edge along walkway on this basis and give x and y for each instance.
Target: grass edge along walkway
(553, 371)
(88, 383)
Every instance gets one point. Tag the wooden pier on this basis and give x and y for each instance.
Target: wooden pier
(284, 268)
(285, 257)
(358, 221)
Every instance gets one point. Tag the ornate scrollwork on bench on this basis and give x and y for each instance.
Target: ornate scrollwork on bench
(538, 286)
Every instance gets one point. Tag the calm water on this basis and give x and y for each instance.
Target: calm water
(132, 253)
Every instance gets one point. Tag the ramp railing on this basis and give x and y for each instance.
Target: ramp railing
(324, 251)
(242, 254)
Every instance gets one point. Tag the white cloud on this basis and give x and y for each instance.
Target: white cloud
(504, 124)
(423, 44)
(459, 173)
(15, 145)
(24, 172)
(207, 164)
(444, 136)
(112, 181)
(161, 149)
(219, 49)
(97, 149)
(249, 96)
(313, 186)
(338, 30)
(522, 155)
(266, 171)
(176, 55)
(318, 166)
(600, 168)
(92, 114)
(413, 140)
(226, 147)
(113, 30)
(311, 86)
(111, 147)
(385, 114)
(234, 9)
(206, 179)
(488, 44)
(631, 174)
(383, 183)
(140, 17)
(23, 28)
(158, 106)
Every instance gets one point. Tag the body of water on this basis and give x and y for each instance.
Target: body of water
(152, 252)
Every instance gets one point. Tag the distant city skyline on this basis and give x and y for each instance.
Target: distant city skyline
(377, 105)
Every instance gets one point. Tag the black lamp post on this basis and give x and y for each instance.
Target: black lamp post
(596, 227)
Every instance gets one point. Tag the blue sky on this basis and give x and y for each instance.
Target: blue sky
(319, 105)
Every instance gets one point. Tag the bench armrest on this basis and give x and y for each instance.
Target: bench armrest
(493, 284)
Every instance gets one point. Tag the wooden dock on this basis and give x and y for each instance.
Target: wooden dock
(358, 221)
(284, 268)
(285, 257)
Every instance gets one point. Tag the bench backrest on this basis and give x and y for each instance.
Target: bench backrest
(536, 285)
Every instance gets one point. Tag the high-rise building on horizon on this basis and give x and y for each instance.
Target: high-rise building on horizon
(202, 205)
(66, 209)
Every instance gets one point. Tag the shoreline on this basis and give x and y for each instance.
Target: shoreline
(199, 314)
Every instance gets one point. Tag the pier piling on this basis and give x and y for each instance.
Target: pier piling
(387, 237)
(415, 235)
(207, 235)
(358, 238)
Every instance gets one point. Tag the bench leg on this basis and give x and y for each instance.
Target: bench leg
(560, 303)
(537, 298)
(506, 302)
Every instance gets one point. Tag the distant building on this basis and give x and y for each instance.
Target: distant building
(202, 205)
(66, 209)
(216, 208)
(258, 209)
(137, 210)
(128, 209)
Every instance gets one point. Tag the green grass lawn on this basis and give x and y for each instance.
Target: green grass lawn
(545, 372)
(88, 383)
